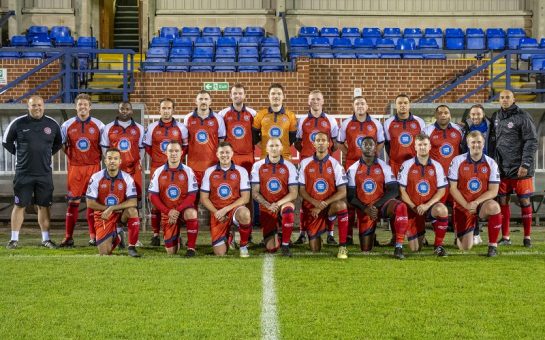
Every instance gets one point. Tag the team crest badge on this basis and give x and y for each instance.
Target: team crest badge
(510, 125)
(233, 176)
(47, 130)
(377, 171)
(453, 134)
(329, 171)
(282, 171)
(413, 126)
(484, 170)
(369, 128)
(324, 124)
(103, 186)
(181, 177)
(175, 132)
(92, 130)
(246, 118)
(120, 186)
(211, 123)
(431, 172)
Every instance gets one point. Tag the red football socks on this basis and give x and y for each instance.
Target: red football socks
(506, 213)
(526, 220)
(288, 218)
(71, 219)
(494, 226)
(192, 232)
(91, 222)
(440, 226)
(155, 220)
(401, 223)
(244, 230)
(133, 225)
(342, 218)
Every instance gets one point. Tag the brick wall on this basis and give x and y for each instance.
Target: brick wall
(380, 79)
(18, 67)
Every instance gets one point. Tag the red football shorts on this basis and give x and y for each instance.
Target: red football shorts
(417, 223)
(464, 222)
(136, 174)
(105, 228)
(366, 226)
(315, 226)
(269, 222)
(78, 179)
(171, 231)
(220, 230)
(523, 187)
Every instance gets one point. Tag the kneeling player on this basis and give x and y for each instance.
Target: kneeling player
(274, 187)
(474, 183)
(372, 189)
(112, 195)
(423, 184)
(225, 191)
(173, 190)
(322, 185)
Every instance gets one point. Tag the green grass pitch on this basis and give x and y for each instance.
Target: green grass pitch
(73, 293)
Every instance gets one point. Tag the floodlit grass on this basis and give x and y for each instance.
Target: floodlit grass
(72, 293)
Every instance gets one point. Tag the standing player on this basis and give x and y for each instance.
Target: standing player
(81, 143)
(206, 130)
(156, 139)
(474, 182)
(275, 121)
(274, 187)
(33, 139)
(112, 195)
(400, 131)
(351, 134)
(322, 185)
(316, 121)
(238, 119)
(422, 184)
(224, 192)
(173, 190)
(372, 190)
(514, 139)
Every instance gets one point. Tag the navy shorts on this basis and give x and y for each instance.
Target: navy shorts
(29, 189)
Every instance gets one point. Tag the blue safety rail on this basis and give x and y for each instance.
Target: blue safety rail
(77, 65)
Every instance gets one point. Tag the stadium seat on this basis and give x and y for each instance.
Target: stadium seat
(248, 42)
(393, 33)
(387, 44)
(248, 52)
(155, 55)
(436, 34)
(204, 42)
(170, 33)
(495, 38)
(270, 42)
(182, 42)
(454, 39)
(308, 33)
(537, 61)
(350, 33)
(225, 68)
(296, 45)
(38, 41)
(191, 33)
(343, 43)
(9, 54)
(64, 41)
(202, 55)
(89, 42)
(59, 32)
(248, 68)
(160, 42)
(254, 31)
(19, 41)
(430, 44)
(527, 44)
(225, 52)
(542, 43)
(226, 42)
(320, 43)
(181, 52)
(408, 44)
(40, 31)
(270, 52)
(413, 33)
(475, 39)
(212, 32)
(330, 33)
(179, 55)
(366, 43)
(271, 68)
(514, 35)
(233, 32)
(372, 33)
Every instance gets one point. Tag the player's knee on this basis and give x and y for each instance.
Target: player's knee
(288, 205)
(524, 202)
(491, 207)
(440, 210)
(503, 200)
(340, 205)
(243, 215)
(190, 214)
(132, 212)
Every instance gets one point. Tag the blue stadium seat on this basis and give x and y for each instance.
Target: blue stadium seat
(542, 43)
(225, 68)
(454, 39)
(191, 33)
(270, 52)
(155, 55)
(19, 41)
(160, 42)
(271, 68)
(430, 44)
(436, 34)
(270, 42)
(40, 31)
(495, 38)
(330, 33)
(9, 54)
(296, 45)
(181, 52)
(393, 33)
(254, 31)
(225, 52)
(226, 42)
(170, 33)
(371, 32)
(527, 44)
(248, 52)
(182, 42)
(475, 39)
(514, 35)
(64, 41)
(204, 42)
(343, 43)
(321, 43)
(350, 33)
(248, 42)
(38, 41)
(366, 43)
(308, 33)
(212, 32)
(408, 44)
(179, 55)
(387, 44)
(234, 32)
(59, 31)
(537, 61)
(202, 55)
(90, 42)
(248, 68)
(413, 33)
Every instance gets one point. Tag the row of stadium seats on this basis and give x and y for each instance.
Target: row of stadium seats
(39, 42)
(220, 42)
(193, 33)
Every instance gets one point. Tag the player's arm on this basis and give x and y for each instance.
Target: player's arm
(342, 147)
(256, 194)
(340, 194)
(353, 199)
(57, 143)
(242, 200)
(457, 195)
(380, 146)
(529, 136)
(298, 145)
(290, 196)
(391, 191)
(129, 203)
(205, 200)
(8, 141)
(491, 193)
(158, 203)
(435, 198)
(188, 202)
(304, 195)
(405, 198)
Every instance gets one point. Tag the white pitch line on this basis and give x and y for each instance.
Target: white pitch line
(269, 316)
